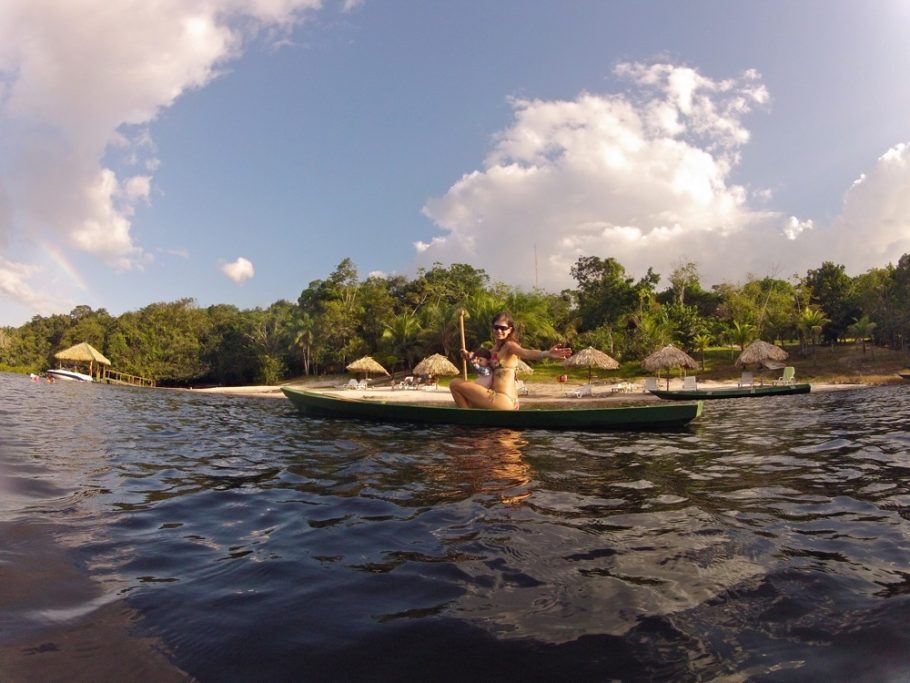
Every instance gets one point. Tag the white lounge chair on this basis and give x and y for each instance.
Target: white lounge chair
(581, 392)
(651, 384)
(352, 384)
(689, 383)
(746, 380)
(521, 387)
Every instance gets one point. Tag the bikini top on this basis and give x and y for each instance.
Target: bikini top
(498, 367)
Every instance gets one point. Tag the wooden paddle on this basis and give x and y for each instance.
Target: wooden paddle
(464, 361)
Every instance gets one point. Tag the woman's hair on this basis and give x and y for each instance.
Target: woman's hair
(504, 318)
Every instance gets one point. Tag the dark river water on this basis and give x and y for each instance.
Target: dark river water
(162, 535)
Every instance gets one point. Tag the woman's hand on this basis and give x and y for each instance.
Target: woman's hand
(559, 352)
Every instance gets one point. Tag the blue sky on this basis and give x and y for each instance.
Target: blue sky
(233, 151)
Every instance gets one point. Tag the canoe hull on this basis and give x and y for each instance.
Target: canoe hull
(620, 418)
(732, 392)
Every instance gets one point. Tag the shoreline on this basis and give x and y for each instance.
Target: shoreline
(538, 392)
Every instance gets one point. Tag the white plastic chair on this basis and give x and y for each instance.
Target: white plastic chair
(746, 380)
(581, 392)
(689, 383)
(521, 387)
(651, 384)
(352, 384)
(788, 377)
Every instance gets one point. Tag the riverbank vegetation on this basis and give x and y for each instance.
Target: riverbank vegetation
(834, 325)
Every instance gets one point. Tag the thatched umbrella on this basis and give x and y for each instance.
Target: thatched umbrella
(83, 353)
(762, 353)
(367, 364)
(435, 366)
(591, 358)
(668, 357)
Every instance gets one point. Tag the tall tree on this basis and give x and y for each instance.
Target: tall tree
(832, 291)
(304, 333)
(605, 292)
(270, 339)
(683, 278)
(226, 348)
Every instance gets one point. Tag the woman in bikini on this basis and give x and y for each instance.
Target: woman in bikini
(503, 394)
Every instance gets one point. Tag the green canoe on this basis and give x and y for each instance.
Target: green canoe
(732, 392)
(627, 417)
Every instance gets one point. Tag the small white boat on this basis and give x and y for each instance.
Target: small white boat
(69, 375)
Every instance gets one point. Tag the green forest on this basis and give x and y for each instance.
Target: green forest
(399, 320)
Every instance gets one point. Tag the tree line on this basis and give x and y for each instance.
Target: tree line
(399, 320)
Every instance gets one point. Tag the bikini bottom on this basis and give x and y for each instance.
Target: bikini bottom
(493, 394)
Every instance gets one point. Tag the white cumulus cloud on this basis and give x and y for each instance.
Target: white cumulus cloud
(873, 228)
(14, 283)
(239, 271)
(642, 177)
(80, 82)
(646, 177)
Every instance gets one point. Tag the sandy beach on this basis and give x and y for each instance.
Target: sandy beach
(538, 392)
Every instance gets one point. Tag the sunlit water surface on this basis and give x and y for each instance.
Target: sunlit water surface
(166, 534)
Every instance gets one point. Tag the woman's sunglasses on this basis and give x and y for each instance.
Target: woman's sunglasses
(502, 328)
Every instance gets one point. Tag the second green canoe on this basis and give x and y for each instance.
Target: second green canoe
(732, 392)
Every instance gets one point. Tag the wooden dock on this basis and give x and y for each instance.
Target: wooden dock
(114, 377)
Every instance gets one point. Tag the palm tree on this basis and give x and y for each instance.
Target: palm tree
(702, 342)
(863, 328)
(531, 312)
(403, 335)
(811, 322)
(480, 310)
(439, 325)
(743, 333)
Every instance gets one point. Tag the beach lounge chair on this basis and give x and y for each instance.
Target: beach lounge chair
(788, 376)
(581, 392)
(650, 384)
(746, 380)
(408, 383)
(521, 387)
(352, 384)
(689, 383)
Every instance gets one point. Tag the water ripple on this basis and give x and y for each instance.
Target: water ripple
(253, 543)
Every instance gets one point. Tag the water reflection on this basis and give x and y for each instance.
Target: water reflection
(753, 540)
(489, 462)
